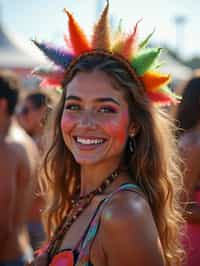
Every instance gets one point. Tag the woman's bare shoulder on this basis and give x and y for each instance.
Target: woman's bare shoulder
(128, 231)
(126, 205)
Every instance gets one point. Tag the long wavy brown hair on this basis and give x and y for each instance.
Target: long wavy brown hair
(154, 164)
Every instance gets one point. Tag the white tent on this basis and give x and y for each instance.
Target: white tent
(17, 53)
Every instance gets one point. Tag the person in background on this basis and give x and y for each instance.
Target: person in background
(32, 115)
(111, 174)
(18, 156)
(188, 120)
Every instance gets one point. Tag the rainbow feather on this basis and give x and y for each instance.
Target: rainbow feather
(144, 60)
(130, 44)
(101, 33)
(59, 56)
(77, 36)
(154, 80)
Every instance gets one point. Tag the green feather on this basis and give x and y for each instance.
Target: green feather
(144, 43)
(157, 65)
(144, 60)
(119, 28)
(168, 91)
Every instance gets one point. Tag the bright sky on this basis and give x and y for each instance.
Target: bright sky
(45, 19)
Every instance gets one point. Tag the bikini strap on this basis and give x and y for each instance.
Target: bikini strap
(79, 244)
(83, 258)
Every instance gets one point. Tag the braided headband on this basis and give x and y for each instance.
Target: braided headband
(140, 60)
(115, 56)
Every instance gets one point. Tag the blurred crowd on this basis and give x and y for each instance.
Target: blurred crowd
(24, 132)
(22, 119)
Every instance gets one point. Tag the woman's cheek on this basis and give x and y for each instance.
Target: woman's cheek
(67, 123)
(118, 129)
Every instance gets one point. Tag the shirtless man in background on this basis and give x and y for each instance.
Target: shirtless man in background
(18, 156)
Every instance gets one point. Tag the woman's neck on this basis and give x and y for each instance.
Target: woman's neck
(92, 176)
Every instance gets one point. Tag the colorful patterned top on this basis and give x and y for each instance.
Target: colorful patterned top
(80, 255)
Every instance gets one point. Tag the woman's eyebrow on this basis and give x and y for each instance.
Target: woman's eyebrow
(102, 99)
(107, 99)
(73, 97)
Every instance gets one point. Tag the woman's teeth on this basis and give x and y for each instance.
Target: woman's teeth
(87, 141)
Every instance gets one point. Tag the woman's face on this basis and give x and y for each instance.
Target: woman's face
(95, 119)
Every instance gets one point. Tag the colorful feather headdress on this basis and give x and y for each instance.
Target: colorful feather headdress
(142, 59)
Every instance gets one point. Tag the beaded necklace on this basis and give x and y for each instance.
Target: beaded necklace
(78, 206)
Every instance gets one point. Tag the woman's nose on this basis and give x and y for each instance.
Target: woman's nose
(87, 119)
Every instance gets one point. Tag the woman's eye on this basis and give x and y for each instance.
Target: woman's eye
(107, 110)
(72, 107)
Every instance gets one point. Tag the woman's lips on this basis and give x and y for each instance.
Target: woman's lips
(88, 143)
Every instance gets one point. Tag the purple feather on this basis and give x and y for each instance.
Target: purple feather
(59, 56)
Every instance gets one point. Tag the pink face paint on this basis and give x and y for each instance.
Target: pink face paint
(118, 128)
(68, 121)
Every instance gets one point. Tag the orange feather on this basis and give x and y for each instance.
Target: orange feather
(68, 43)
(77, 36)
(153, 80)
(101, 35)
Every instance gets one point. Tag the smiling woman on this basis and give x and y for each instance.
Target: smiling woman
(112, 171)
(95, 119)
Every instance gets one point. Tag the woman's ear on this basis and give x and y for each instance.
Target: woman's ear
(133, 130)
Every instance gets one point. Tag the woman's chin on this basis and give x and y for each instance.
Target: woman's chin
(87, 160)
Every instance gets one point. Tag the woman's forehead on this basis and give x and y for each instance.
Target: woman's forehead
(93, 84)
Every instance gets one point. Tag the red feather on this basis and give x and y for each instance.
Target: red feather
(161, 98)
(130, 43)
(53, 80)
